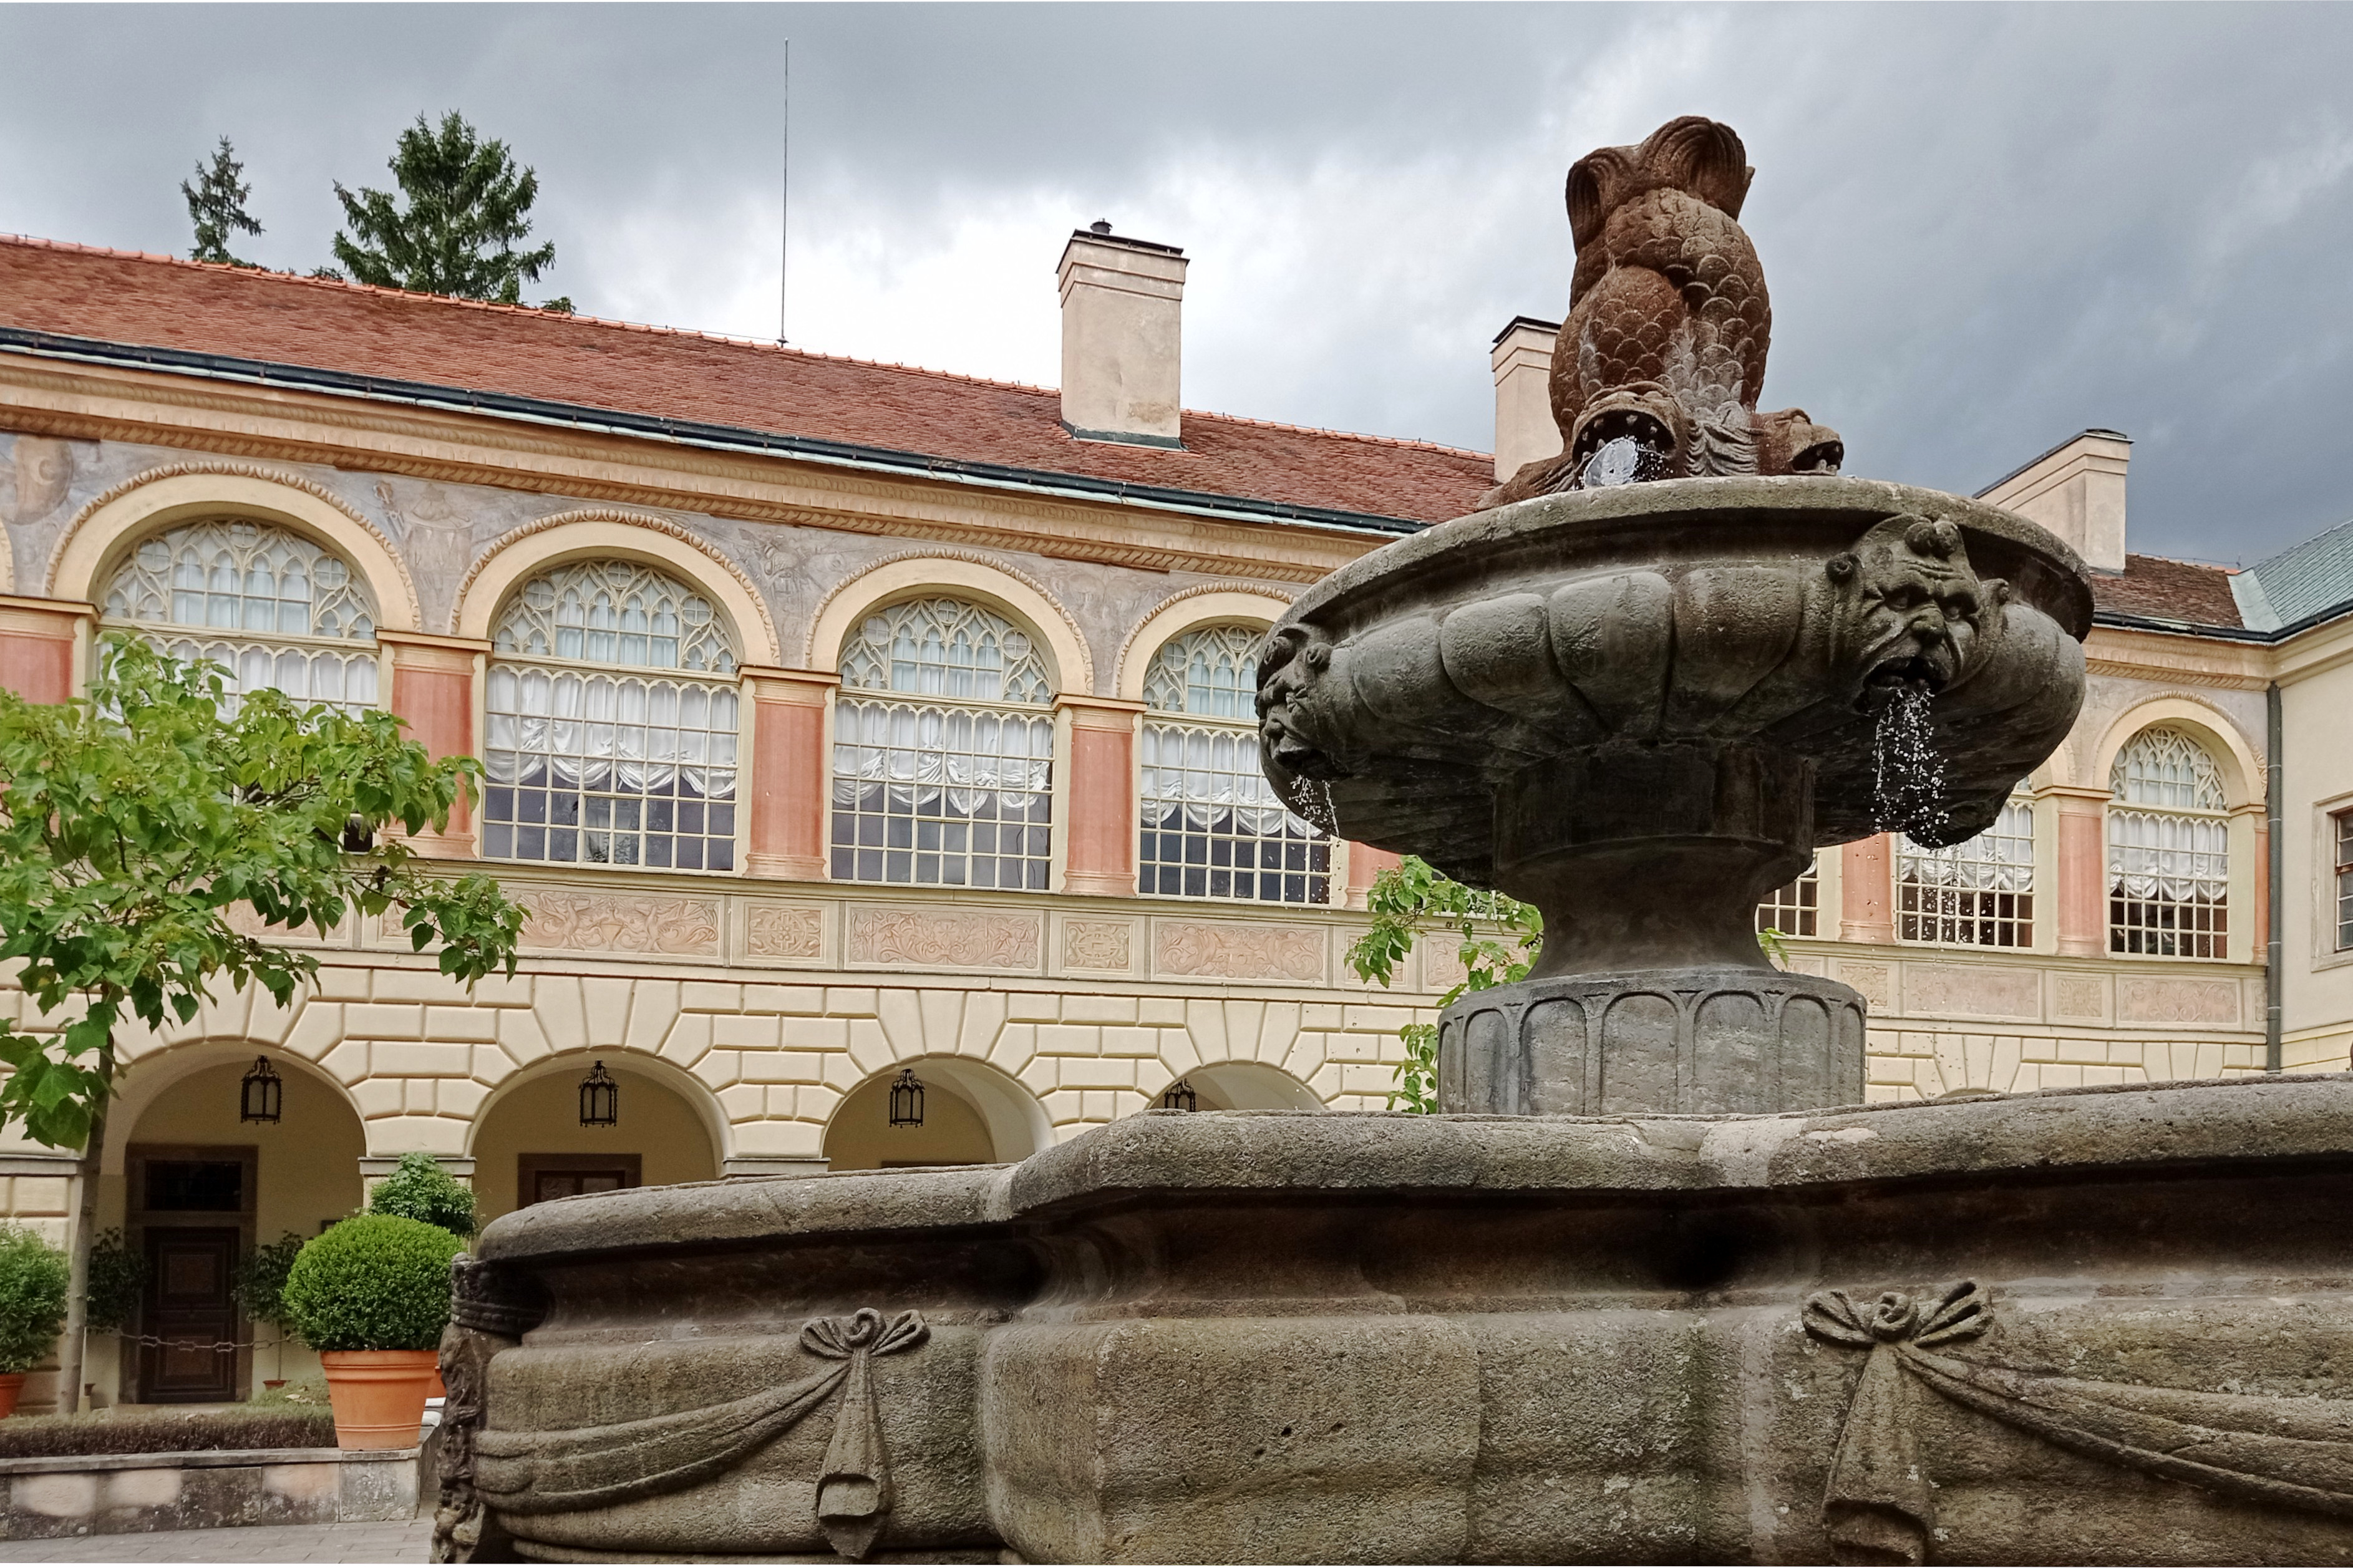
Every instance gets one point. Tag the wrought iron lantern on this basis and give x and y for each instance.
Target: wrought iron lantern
(1179, 1096)
(261, 1093)
(600, 1098)
(907, 1100)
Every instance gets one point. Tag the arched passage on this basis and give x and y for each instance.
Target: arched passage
(528, 1141)
(195, 1189)
(973, 1115)
(1250, 1086)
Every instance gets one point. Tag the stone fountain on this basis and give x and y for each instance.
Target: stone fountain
(1657, 1288)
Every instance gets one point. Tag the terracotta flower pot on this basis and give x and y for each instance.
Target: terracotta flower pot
(379, 1395)
(12, 1383)
(440, 1390)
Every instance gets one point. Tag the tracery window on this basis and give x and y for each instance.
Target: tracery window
(944, 751)
(1980, 893)
(2341, 824)
(259, 599)
(2168, 849)
(1211, 827)
(607, 765)
(1794, 908)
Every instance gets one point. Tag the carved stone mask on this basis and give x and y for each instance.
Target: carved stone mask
(1911, 608)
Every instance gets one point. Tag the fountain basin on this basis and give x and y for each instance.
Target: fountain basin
(1641, 708)
(2095, 1326)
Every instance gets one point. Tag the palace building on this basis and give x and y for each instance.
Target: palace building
(849, 727)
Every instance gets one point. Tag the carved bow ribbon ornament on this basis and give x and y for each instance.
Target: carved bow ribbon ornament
(1879, 1506)
(584, 1469)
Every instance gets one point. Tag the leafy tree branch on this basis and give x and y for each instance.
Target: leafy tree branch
(142, 835)
(1497, 939)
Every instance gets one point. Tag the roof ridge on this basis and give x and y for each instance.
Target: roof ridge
(615, 324)
(2182, 561)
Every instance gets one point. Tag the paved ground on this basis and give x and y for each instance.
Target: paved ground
(403, 1541)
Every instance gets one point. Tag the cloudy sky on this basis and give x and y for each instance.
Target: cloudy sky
(1985, 227)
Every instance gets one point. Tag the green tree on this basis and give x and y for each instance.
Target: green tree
(468, 208)
(216, 207)
(1498, 937)
(260, 1286)
(419, 1189)
(136, 820)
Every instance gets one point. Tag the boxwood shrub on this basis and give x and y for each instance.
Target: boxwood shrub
(164, 1432)
(372, 1282)
(32, 1299)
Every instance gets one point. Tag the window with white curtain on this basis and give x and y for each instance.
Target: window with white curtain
(1980, 893)
(612, 719)
(944, 751)
(273, 608)
(1211, 827)
(2168, 849)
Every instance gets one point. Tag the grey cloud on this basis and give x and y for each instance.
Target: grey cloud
(1985, 226)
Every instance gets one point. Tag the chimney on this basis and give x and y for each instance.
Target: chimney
(1522, 357)
(2077, 491)
(1121, 302)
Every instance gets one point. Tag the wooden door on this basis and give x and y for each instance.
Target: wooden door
(539, 1177)
(189, 1269)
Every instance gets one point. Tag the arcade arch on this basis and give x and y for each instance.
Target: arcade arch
(527, 1141)
(973, 1115)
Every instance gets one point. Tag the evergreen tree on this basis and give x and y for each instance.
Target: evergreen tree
(216, 207)
(467, 210)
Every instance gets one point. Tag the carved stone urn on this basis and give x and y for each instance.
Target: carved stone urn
(1642, 707)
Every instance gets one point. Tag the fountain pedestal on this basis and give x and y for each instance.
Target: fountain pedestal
(1650, 994)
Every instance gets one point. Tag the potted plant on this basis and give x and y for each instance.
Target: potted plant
(419, 1188)
(372, 1296)
(32, 1308)
(260, 1286)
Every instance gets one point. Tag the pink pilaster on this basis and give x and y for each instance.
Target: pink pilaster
(2083, 871)
(789, 769)
(434, 683)
(40, 644)
(1101, 831)
(1866, 890)
(1364, 866)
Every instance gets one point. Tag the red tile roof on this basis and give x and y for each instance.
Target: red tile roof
(157, 302)
(2162, 590)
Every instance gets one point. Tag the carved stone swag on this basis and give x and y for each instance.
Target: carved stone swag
(490, 1475)
(1880, 1505)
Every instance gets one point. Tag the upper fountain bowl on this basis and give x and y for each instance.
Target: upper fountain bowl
(1520, 648)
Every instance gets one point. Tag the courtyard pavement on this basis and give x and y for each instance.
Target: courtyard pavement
(400, 1541)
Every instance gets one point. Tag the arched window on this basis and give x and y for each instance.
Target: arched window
(617, 765)
(1980, 893)
(1211, 827)
(274, 608)
(944, 751)
(2168, 849)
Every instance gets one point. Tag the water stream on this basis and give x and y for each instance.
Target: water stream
(1908, 775)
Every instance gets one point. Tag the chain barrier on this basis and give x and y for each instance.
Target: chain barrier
(160, 1344)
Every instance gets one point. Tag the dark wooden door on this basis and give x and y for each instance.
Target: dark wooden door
(189, 1269)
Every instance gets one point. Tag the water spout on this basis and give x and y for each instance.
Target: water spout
(1908, 775)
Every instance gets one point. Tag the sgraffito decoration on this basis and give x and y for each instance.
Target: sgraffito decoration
(521, 1473)
(1880, 1505)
